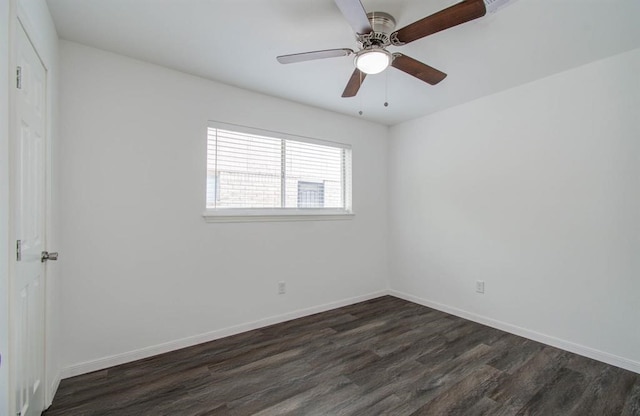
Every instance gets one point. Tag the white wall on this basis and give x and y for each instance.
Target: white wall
(143, 272)
(35, 16)
(535, 191)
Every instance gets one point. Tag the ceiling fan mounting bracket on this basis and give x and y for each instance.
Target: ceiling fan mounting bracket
(393, 39)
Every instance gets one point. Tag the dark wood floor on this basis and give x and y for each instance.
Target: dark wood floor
(381, 357)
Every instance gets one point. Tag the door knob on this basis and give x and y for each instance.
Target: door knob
(49, 256)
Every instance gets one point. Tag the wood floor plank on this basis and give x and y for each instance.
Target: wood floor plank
(632, 402)
(463, 395)
(511, 359)
(559, 396)
(484, 406)
(296, 403)
(442, 376)
(517, 389)
(606, 392)
(292, 383)
(385, 356)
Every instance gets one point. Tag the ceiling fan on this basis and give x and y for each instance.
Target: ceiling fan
(375, 31)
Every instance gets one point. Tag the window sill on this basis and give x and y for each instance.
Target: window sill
(267, 215)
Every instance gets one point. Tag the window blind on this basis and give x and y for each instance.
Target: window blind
(250, 170)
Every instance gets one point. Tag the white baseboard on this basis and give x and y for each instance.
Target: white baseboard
(605, 357)
(110, 361)
(106, 362)
(53, 388)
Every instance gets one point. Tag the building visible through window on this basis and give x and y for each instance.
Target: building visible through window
(310, 195)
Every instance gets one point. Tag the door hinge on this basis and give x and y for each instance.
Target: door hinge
(19, 77)
(18, 250)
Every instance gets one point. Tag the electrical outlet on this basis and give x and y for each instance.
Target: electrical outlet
(480, 286)
(282, 288)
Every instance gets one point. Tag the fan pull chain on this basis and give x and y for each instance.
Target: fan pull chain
(386, 88)
(360, 95)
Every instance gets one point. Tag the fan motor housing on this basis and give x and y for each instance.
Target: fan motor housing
(382, 24)
(494, 5)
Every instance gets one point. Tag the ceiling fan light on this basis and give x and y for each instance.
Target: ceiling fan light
(373, 61)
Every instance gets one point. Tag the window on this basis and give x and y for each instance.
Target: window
(264, 175)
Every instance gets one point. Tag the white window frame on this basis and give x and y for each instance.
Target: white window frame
(284, 214)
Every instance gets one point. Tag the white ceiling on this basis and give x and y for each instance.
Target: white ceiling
(236, 42)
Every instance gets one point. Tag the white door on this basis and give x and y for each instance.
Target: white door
(28, 284)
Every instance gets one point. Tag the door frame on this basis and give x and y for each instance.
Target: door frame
(18, 18)
(5, 53)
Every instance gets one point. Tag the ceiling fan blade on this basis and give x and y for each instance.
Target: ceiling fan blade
(309, 56)
(354, 83)
(457, 14)
(417, 69)
(356, 15)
